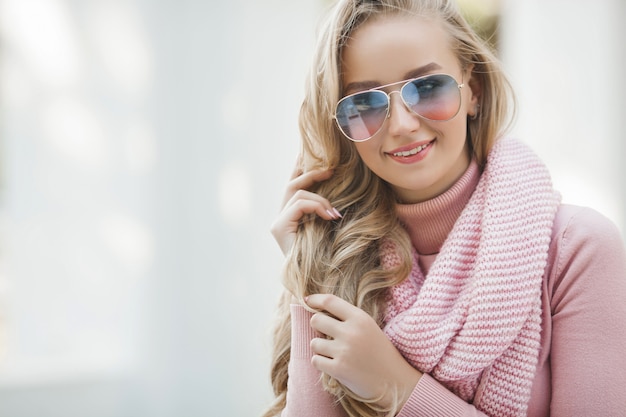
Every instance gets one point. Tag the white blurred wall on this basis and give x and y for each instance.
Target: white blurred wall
(567, 61)
(145, 146)
(144, 149)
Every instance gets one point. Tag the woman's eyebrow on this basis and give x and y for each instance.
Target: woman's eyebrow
(360, 86)
(368, 85)
(418, 72)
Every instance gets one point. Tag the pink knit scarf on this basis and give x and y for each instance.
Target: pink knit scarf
(474, 322)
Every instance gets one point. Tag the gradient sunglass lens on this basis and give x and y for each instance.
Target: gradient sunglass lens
(361, 115)
(435, 97)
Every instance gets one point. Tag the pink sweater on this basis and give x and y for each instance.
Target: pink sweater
(582, 363)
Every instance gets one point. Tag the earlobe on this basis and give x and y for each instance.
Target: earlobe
(474, 113)
(475, 88)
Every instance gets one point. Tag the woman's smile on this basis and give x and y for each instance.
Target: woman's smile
(411, 153)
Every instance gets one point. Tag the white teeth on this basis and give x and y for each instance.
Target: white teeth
(411, 152)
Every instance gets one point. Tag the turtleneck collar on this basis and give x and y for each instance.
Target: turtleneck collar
(429, 222)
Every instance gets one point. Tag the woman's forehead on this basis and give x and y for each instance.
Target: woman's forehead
(389, 48)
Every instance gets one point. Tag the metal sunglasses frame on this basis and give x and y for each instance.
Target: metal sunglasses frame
(388, 94)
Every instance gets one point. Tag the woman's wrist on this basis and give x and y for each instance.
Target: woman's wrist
(411, 379)
(404, 385)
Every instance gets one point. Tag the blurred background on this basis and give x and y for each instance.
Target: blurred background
(144, 148)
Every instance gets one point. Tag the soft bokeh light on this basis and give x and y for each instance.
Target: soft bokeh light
(128, 240)
(73, 128)
(122, 44)
(234, 194)
(46, 37)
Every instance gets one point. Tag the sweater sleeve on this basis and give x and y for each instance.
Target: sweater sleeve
(305, 395)
(430, 398)
(588, 304)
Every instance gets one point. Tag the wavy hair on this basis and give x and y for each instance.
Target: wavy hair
(342, 257)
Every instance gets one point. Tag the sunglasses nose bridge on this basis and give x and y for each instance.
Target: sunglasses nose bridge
(402, 120)
(402, 101)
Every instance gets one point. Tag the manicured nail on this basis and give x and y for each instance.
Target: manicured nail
(337, 213)
(331, 214)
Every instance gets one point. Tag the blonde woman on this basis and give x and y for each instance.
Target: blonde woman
(431, 269)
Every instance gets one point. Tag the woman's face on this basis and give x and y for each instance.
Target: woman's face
(389, 49)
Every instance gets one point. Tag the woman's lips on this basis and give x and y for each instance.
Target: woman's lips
(411, 153)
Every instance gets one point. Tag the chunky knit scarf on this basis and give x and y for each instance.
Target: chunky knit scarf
(474, 322)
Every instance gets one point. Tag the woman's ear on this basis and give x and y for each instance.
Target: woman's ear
(475, 87)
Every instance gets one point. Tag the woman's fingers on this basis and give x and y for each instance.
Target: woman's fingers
(357, 352)
(307, 199)
(292, 214)
(305, 181)
(323, 347)
(299, 202)
(335, 306)
(303, 202)
(325, 324)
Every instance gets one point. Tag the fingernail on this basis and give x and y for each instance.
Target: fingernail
(337, 213)
(331, 214)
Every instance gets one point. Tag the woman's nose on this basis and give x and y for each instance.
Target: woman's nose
(402, 120)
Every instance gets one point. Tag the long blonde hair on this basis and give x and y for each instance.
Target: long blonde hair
(342, 257)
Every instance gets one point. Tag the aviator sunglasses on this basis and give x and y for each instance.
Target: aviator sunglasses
(434, 97)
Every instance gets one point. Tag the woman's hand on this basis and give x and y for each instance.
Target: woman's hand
(298, 202)
(358, 354)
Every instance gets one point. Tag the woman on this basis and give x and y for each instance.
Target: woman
(431, 268)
